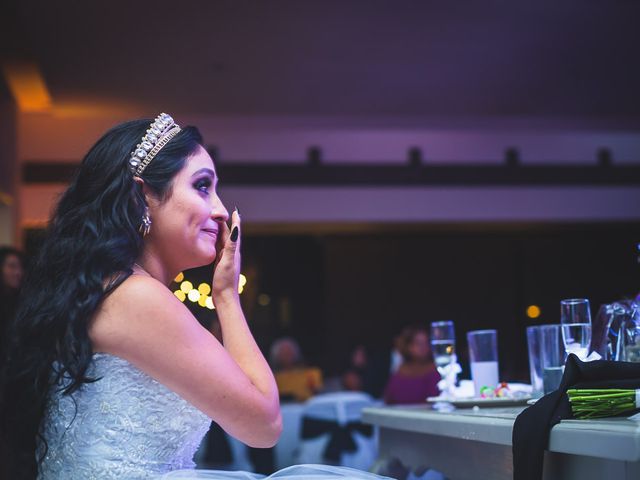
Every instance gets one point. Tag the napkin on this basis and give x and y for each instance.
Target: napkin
(531, 429)
(449, 375)
(591, 357)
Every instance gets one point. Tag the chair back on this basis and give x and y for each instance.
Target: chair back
(341, 407)
(332, 432)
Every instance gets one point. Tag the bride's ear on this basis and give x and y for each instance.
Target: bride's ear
(145, 189)
(140, 183)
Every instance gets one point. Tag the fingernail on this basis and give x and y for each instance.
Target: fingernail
(234, 234)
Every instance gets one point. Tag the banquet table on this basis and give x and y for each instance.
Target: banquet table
(476, 443)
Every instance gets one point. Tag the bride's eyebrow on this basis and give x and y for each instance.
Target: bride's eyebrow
(208, 171)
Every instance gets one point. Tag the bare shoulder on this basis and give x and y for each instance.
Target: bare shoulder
(142, 322)
(135, 306)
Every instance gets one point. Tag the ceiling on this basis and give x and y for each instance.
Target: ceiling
(575, 58)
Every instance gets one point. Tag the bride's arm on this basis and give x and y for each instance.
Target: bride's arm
(144, 323)
(236, 336)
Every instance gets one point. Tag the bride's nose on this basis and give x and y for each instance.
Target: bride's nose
(218, 211)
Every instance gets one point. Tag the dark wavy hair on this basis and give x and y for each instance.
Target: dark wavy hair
(91, 244)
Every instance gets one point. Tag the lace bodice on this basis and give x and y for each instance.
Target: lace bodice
(125, 425)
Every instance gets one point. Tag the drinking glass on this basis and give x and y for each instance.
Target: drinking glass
(608, 325)
(443, 342)
(628, 344)
(575, 318)
(483, 353)
(534, 347)
(552, 356)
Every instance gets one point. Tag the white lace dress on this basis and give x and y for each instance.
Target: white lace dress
(126, 425)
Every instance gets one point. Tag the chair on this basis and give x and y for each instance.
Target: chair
(240, 455)
(332, 431)
(228, 453)
(285, 448)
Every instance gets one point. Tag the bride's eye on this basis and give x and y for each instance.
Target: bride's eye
(203, 185)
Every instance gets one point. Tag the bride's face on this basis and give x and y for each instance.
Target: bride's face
(185, 226)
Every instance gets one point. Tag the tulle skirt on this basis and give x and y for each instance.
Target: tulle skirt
(296, 472)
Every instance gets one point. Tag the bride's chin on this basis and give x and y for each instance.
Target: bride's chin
(201, 259)
(210, 256)
(207, 253)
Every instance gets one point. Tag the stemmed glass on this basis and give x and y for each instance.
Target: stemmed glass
(443, 342)
(575, 317)
(443, 347)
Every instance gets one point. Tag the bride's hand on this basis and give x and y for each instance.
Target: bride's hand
(226, 271)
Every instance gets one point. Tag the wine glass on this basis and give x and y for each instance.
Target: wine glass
(443, 347)
(443, 343)
(575, 317)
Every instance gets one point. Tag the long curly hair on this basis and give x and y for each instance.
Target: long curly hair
(91, 244)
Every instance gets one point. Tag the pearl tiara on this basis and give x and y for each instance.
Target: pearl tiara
(158, 135)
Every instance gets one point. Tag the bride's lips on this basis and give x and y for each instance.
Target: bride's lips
(211, 231)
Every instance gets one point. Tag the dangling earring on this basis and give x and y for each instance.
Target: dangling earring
(145, 226)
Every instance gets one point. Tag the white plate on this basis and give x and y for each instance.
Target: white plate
(470, 402)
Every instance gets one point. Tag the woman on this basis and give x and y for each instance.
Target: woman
(108, 375)
(295, 381)
(416, 378)
(11, 273)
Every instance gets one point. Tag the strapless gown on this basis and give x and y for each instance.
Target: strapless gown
(126, 425)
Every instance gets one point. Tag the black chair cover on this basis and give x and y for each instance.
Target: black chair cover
(341, 439)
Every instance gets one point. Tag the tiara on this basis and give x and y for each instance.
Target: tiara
(158, 135)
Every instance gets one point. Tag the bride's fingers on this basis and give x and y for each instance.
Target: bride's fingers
(221, 240)
(234, 236)
(224, 230)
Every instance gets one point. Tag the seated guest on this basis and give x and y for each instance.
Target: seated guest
(352, 381)
(366, 371)
(395, 357)
(417, 378)
(296, 382)
(11, 273)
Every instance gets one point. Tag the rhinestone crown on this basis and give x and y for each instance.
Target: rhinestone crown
(158, 135)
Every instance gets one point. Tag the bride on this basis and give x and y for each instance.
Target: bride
(107, 374)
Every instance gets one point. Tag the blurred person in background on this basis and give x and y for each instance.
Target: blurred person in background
(296, 382)
(11, 274)
(367, 371)
(416, 378)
